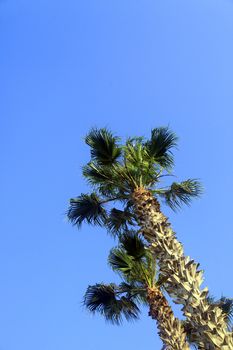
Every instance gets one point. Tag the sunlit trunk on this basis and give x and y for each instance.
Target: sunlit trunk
(171, 330)
(182, 279)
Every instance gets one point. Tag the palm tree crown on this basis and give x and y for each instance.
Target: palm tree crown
(116, 170)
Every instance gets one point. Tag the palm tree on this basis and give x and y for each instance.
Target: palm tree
(136, 266)
(130, 174)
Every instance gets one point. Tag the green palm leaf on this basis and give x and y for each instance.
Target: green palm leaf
(104, 147)
(133, 244)
(138, 162)
(136, 153)
(97, 175)
(132, 261)
(181, 193)
(134, 291)
(160, 145)
(118, 220)
(107, 180)
(87, 208)
(108, 301)
(120, 261)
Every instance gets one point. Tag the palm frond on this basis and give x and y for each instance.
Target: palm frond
(120, 261)
(107, 180)
(87, 208)
(97, 175)
(108, 301)
(104, 147)
(139, 162)
(134, 291)
(160, 145)
(129, 308)
(181, 193)
(136, 153)
(138, 267)
(126, 176)
(133, 244)
(131, 289)
(118, 220)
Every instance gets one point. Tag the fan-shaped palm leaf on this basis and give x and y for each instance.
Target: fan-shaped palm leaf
(109, 302)
(87, 208)
(97, 175)
(120, 261)
(107, 179)
(104, 147)
(118, 220)
(132, 261)
(160, 145)
(133, 244)
(181, 193)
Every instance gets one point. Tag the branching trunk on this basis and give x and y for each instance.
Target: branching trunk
(181, 275)
(171, 331)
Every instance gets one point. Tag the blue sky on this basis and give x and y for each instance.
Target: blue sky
(130, 65)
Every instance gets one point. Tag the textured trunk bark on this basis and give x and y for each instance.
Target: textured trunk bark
(181, 275)
(170, 328)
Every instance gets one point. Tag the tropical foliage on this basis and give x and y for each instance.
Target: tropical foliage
(127, 181)
(116, 170)
(136, 267)
(133, 261)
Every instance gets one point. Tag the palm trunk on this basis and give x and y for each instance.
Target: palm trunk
(171, 331)
(181, 275)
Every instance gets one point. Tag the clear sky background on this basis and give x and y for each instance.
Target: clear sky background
(130, 65)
